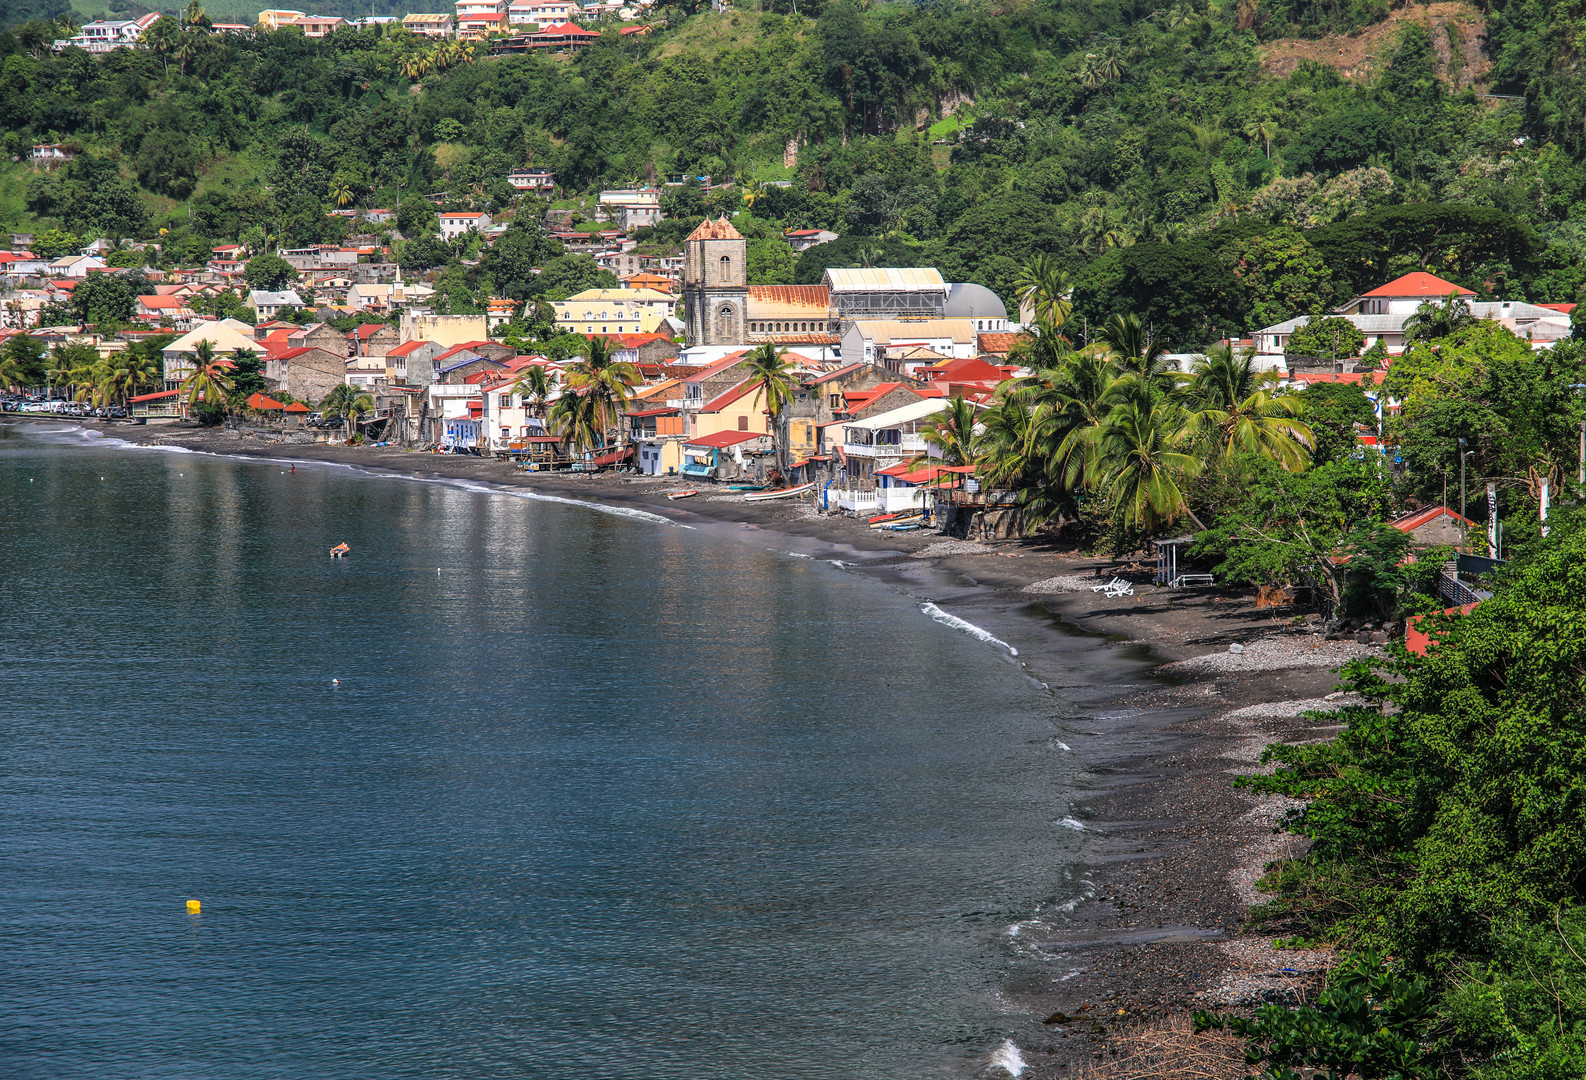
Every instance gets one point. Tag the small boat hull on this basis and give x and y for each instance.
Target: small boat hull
(892, 520)
(785, 493)
(681, 494)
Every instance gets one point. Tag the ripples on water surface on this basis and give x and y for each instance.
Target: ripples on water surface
(599, 798)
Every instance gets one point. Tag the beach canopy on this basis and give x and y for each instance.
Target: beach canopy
(260, 403)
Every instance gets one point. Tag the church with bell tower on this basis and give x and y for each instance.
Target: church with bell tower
(716, 284)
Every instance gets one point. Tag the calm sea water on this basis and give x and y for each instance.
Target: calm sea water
(597, 796)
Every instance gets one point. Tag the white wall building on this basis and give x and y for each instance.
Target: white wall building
(456, 223)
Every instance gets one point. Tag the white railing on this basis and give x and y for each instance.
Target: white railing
(911, 446)
(887, 500)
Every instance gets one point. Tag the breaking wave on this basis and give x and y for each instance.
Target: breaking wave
(967, 627)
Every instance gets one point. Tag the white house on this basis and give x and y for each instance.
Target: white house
(76, 266)
(456, 223)
(1381, 314)
(269, 304)
(870, 340)
(505, 417)
(532, 179)
(103, 35)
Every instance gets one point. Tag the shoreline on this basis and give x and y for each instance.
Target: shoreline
(1174, 849)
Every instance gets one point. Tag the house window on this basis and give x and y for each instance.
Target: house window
(836, 401)
(506, 432)
(743, 423)
(506, 401)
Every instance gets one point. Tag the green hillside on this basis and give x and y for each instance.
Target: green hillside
(1126, 142)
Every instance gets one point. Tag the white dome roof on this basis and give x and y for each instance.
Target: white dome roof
(969, 301)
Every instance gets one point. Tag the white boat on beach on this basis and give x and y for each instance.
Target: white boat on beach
(784, 493)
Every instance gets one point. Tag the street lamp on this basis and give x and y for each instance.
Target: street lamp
(1463, 454)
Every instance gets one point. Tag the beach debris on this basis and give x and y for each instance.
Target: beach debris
(1061, 584)
(1273, 653)
(951, 547)
(1236, 648)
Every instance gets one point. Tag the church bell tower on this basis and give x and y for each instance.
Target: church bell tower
(716, 284)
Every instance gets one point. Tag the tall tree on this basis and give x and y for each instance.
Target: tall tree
(774, 381)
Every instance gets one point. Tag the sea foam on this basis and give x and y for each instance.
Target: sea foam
(967, 627)
(1007, 1058)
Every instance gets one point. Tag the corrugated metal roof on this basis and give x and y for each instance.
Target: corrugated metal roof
(886, 331)
(797, 295)
(915, 410)
(886, 279)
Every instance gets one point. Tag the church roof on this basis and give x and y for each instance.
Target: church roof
(715, 230)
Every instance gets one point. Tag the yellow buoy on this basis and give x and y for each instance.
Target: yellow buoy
(192, 907)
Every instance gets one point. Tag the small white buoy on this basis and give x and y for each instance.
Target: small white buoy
(335, 682)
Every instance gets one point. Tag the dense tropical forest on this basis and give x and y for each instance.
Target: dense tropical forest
(1175, 159)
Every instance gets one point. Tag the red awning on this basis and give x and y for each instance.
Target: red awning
(156, 397)
(723, 439)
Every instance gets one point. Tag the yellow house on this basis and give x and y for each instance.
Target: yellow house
(741, 408)
(275, 18)
(614, 311)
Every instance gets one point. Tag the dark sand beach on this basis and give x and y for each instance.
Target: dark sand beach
(1176, 848)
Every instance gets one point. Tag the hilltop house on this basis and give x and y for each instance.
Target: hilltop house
(532, 179)
(456, 223)
(428, 25)
(1381, 314)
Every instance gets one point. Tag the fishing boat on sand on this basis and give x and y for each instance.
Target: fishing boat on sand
(784, 493)
(681, 494)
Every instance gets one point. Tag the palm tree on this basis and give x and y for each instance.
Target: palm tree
(1042, 287)
(1095, 232)
(574, 418)
(1133, 349)
(11, 372)
(1138, 465)
(607, 383)
(186, 49)
(1098, 69)
(208, 380)
(347, 402)
(340, 190)
(1265, 130)
(1230, 404)
(1433, 320)
(772, 375)
(951, 434)
(126, 373)
(753, 192)
(1077, 401)
(535, 386)
(413, 66)
(869, 255)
